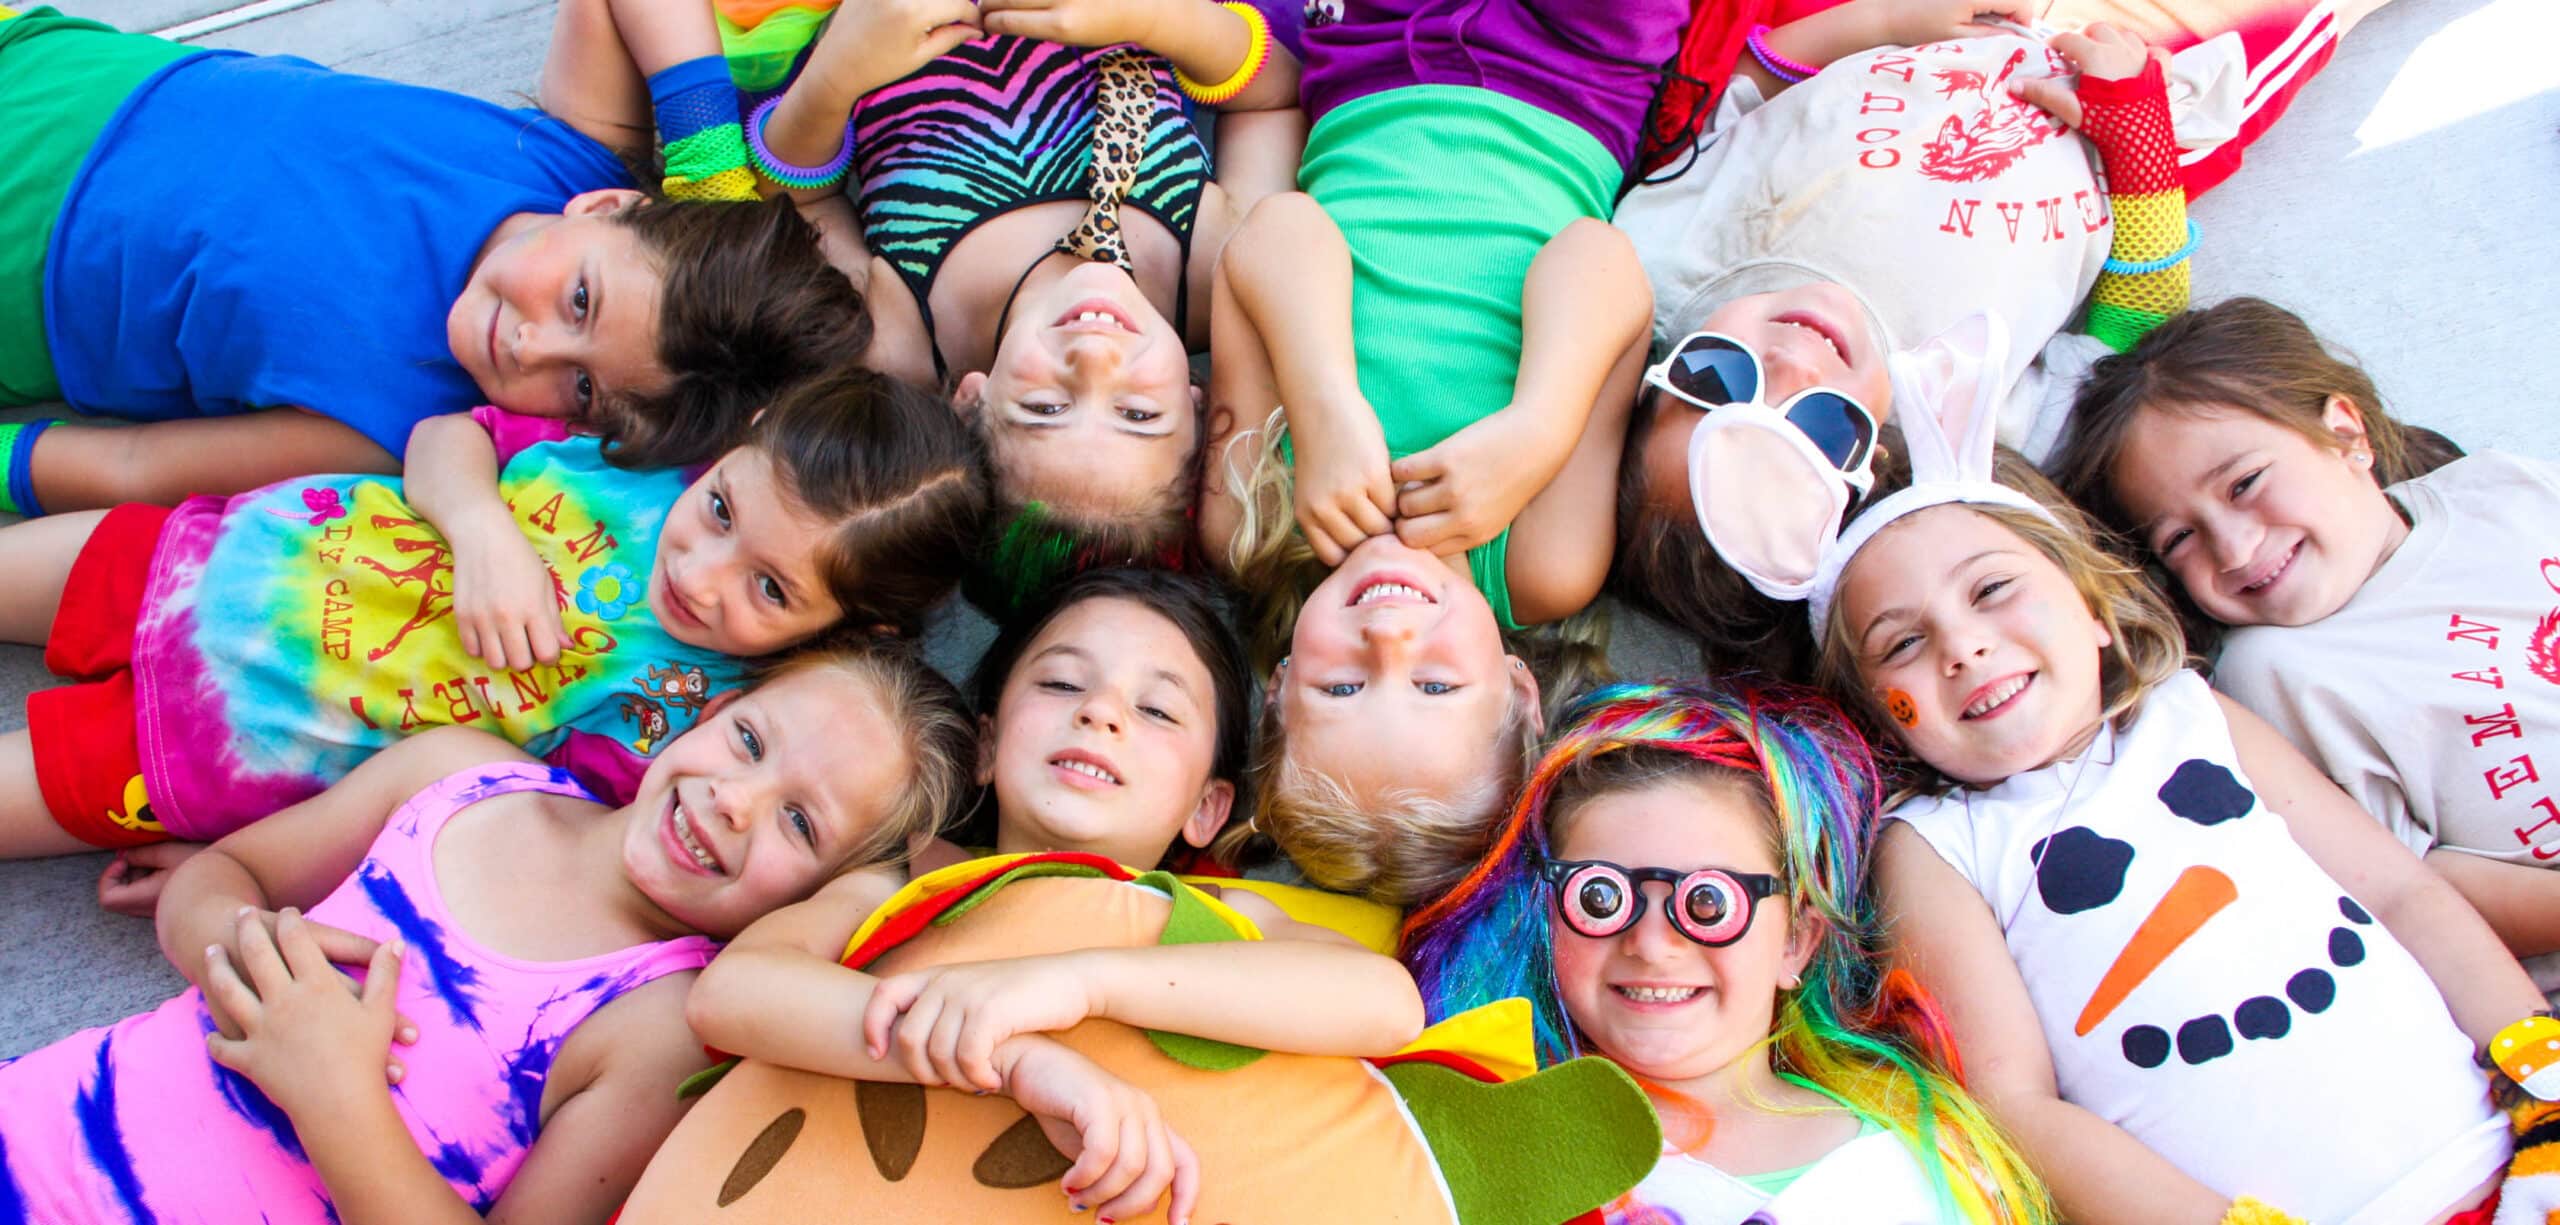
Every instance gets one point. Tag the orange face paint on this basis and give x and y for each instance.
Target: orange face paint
(1904, 711)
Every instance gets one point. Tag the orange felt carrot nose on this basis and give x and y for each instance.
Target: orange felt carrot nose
(2196, 896)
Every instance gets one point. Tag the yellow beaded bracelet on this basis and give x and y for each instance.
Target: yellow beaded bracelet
(1257, 51)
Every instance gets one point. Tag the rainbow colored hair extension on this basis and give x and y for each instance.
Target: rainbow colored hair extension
(1027, 555)
(1872, 1040)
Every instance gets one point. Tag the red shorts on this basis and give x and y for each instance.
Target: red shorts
(88, 762)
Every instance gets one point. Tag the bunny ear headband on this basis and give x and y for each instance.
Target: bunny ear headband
(1946, 397)
(1753, 504)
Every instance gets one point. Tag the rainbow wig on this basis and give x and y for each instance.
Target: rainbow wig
(1872, 1040)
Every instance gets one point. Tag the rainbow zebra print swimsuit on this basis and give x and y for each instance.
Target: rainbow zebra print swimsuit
(995, 125)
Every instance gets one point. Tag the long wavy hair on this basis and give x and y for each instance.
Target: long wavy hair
(1871, 1039)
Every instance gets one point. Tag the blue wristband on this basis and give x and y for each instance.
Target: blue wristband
(2171, 260)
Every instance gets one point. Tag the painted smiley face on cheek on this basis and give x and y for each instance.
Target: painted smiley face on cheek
(1899, 705)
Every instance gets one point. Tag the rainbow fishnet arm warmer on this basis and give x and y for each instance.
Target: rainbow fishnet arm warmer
(698, 132)
(2146, 278)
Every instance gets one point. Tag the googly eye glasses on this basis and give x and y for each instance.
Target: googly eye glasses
(1712, 906)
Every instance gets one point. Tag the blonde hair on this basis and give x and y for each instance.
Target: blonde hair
(2146, 645)
(1401, 848)
(939, 740)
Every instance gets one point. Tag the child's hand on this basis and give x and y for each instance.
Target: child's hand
(1465, 491)
(1126, 1157)
(337, 946)
(506, 603)
(303, 1040)
(2103, 52)
(1910, 23)
(1344, 491)
(133, 880)
(946, 1023)
(1077, 23)
(869, 43)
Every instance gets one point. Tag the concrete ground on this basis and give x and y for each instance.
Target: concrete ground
(2404, 207)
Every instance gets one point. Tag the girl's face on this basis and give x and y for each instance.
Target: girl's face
(1104, 738)
(1813, 335)
(1975, 643)
(737, 567)
(561, 312)
(2261, 525)
(1089, 398)
(762, 801)
(1397, 678)
(1666, 1007)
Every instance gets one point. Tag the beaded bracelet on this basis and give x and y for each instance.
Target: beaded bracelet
(1779, 66)
(2171, 260)
(798, 178)
(1257, 52)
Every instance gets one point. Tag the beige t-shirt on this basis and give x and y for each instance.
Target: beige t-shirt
(2433, 697)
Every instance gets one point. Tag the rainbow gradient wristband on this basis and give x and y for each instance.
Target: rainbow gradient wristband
(797, 178)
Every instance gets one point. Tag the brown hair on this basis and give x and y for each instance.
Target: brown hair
(2147, 646)
(1193, 606)
(939, 744)
(1033, 544)
(749, 307)
(1666, 567)
(2244, 355)
(903, 483)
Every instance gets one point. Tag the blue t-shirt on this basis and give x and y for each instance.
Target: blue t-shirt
(258, 231)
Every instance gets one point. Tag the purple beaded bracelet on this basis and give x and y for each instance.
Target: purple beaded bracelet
(800, 178)
(1779, 66)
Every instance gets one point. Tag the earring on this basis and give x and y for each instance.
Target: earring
(1790, 983)
(2363, 459)
(1519, 664)
(1284, 663)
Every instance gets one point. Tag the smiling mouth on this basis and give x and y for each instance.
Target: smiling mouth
(1096, 315)
(677, 610)
(1085, 767)
(493, 341)
(1380, 590)
(2282, 567)
(1995, 698)
(1658, 995)
(1820, 327)
(680, 828)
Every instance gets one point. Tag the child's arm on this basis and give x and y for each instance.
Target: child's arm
(1585, 309)
(1290, 273)
(865, 45)
(2519, 901)
(1300, 989)
(1243, 391)
(1206, 42)
(506, 601)
(2480, 980)
(780, 993)
(2122, 105)
(1843, 30)
(1941, 931)
(295, 857)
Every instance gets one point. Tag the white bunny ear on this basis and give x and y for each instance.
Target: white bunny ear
(1946, 397)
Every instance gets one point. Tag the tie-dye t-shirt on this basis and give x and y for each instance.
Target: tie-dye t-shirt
(134, 1122)
(291, 632)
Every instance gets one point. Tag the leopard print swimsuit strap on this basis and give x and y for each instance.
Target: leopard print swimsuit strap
(1126, 107)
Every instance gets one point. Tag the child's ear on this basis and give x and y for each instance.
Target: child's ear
(969, 395)
(603, 201)
(1217, 800)
(986, 751)
(1525, 683)
(2346, 421)
(1804, 935)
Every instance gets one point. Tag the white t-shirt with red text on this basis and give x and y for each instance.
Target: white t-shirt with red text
(2433, 697)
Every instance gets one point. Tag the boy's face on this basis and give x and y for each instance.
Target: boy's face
(561, 312)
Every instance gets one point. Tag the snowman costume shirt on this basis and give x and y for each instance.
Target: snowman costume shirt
(2205, 986)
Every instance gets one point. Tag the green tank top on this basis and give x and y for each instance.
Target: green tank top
(1445, 194)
